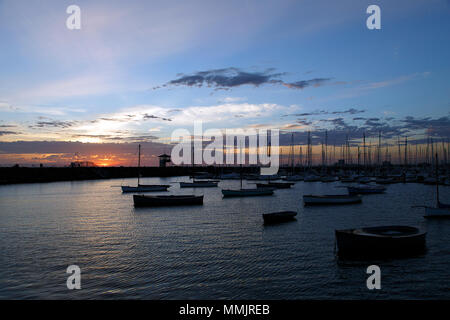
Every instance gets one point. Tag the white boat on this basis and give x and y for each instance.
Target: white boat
(330, 199)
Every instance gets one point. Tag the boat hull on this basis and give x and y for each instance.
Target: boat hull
(365, 190)
(279, 217)
(247, 192)
(277, 185)
(380, 241)
(198, 184)
(437, 213)
(330, 200)
(162, 201)
(145, 188)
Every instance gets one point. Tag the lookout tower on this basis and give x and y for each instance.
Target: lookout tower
(163, 159)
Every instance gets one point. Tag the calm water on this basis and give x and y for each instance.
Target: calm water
(220, 250)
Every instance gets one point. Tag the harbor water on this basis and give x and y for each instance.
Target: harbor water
(220, 250)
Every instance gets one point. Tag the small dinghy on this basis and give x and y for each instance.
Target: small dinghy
(366, 189)
(198, 184)
(277, 185)
(278, 217)
(380, 241)
(330, 199)
(247, 192)
(437, 213)
(161, 201)
(145, 188)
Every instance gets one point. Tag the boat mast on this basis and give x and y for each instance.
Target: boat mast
(437, 182)
(406, 152)
(292, 153)
(139, 163)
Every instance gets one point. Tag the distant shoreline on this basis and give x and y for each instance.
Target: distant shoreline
(16, 175)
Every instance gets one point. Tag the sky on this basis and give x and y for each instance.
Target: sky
(138, 70)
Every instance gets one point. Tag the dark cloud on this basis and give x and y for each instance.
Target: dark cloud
(121, 138)
(323, 112)
(349, 111)
(316, 82)
(339, 130)
(435, 127)
(6, 132)
(225, 78)
(151, 116)
(53, 124)
(228, 78)
(304, 122)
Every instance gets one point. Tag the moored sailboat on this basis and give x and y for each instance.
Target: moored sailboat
(442, 210)
(330, 199)
(276, 185)
(199, 184)
(143, 187)
(161, 201)
(380, 241)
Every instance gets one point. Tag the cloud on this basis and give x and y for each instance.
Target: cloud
(227, 78)
(316, 82)
(61, 153)
(5, 132)
(53, 124)
(39, 109)
(323, 112)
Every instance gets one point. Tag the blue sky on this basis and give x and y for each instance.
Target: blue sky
(98, 84)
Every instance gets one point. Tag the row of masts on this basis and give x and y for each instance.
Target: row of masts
(367, 153)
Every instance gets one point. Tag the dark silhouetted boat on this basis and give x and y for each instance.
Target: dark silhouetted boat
(161, 201)
(330, 199)
(278, 217)
(442, 210)
(143, 187)
(380, 241)
(276, 185)
(247, 192)
(198, 184)
(366, 189)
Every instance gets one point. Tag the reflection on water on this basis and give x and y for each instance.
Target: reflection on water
(220, 250)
